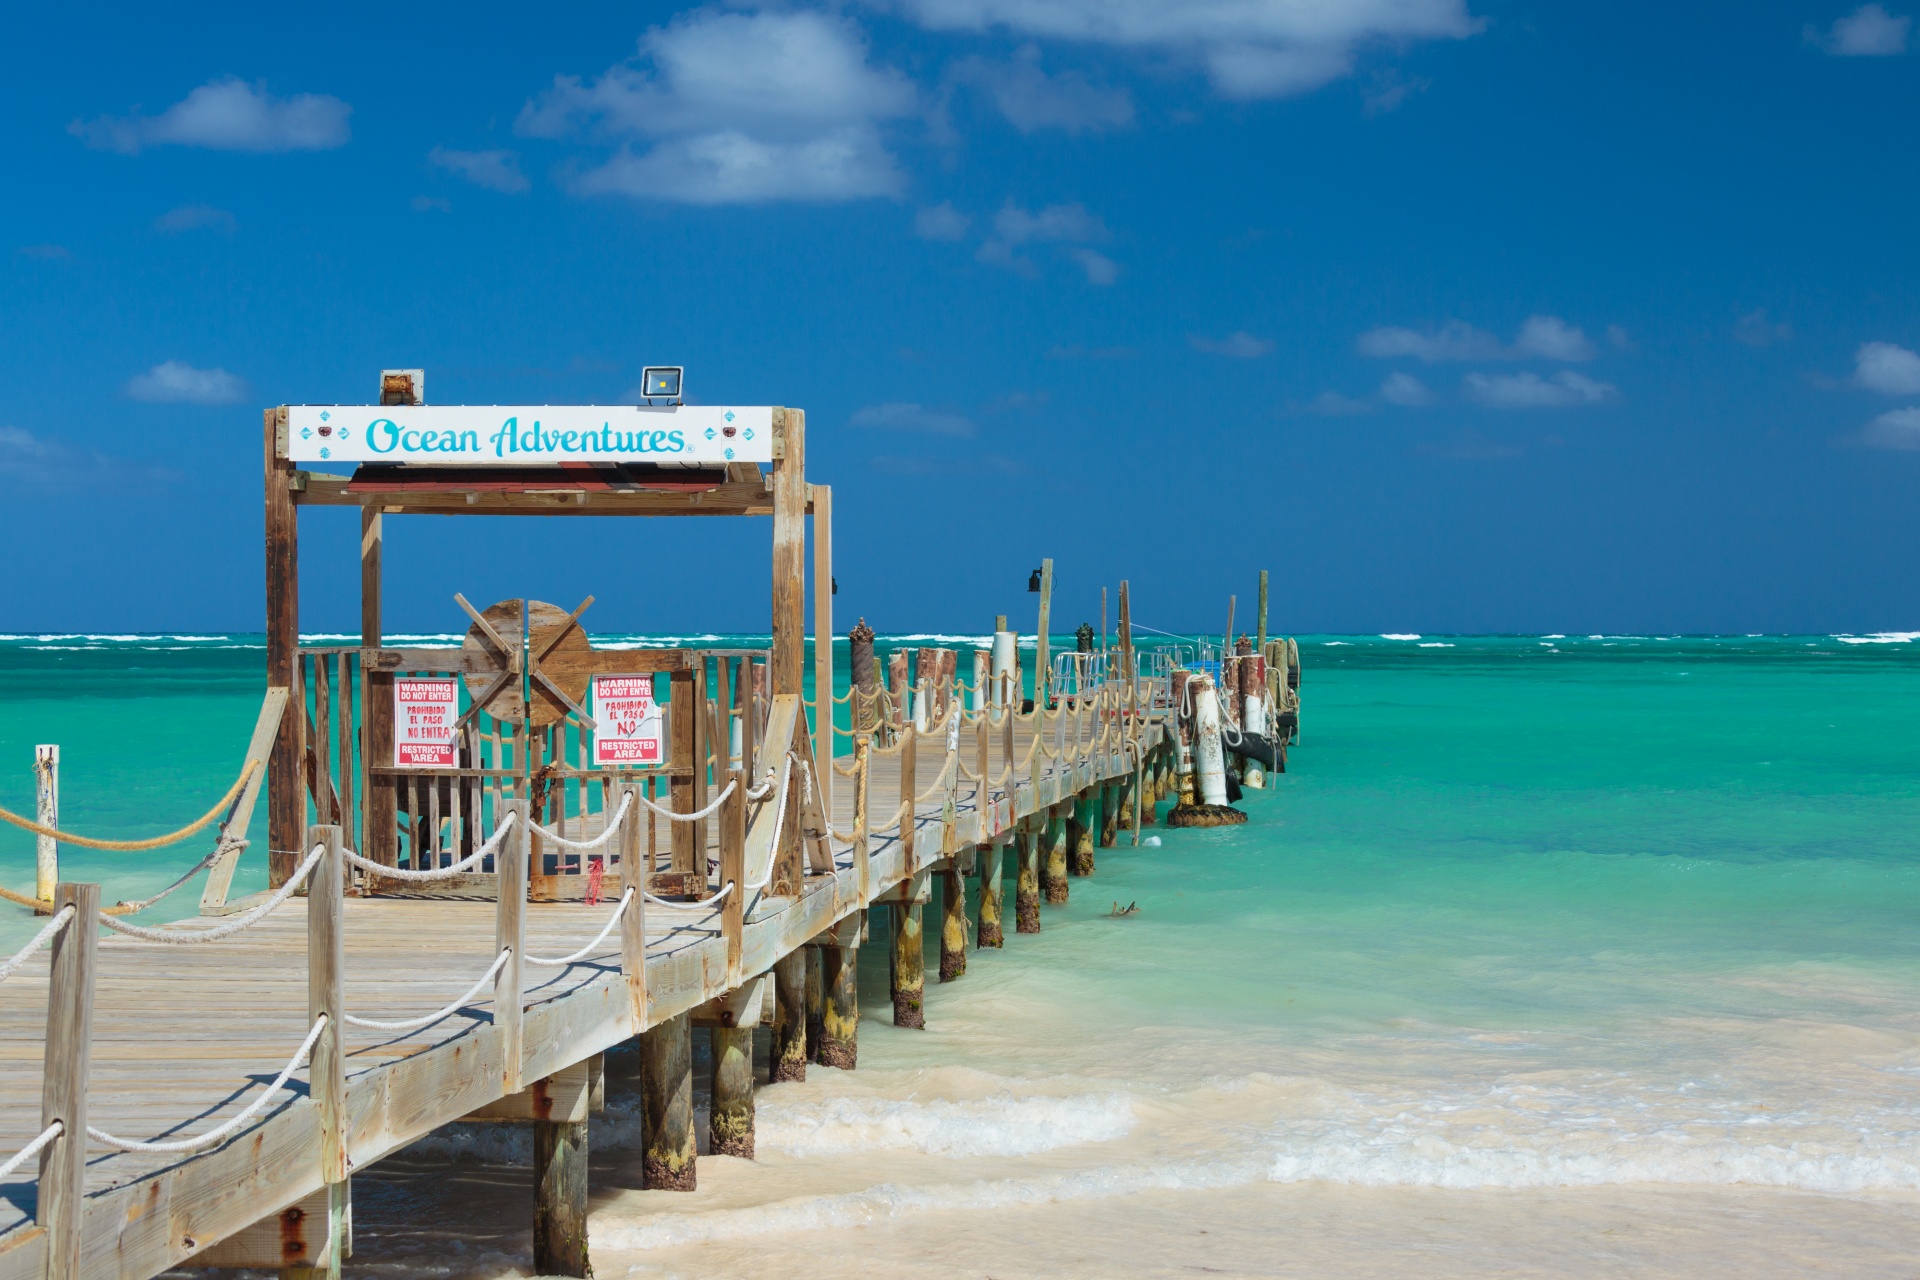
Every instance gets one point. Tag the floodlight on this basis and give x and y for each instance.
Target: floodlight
(661, 382)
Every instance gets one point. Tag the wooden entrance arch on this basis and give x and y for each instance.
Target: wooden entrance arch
(382, 489)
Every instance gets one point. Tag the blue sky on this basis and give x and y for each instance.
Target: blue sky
(1456, 315)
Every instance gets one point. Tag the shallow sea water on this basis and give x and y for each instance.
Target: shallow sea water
(1549, 956)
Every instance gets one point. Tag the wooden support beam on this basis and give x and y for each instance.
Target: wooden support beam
(510, 928)
(571, 1093)
(560, 1197)
(683, 712)
(907, 970)
(1056, 837)
(1026, 891)
(993, 891)
(789, 549)
(266, 730)
(787, 1058)
(666, 1100)
(730, 1127)
(1082, 830)
(326, 979)
(839, 1006)
(633, 921)
(1108, 813)
(823, 635)
(1042, 677)
(297, 1240)
(953, 921)
(60, 1207)
(816, 1003)
(286, 792)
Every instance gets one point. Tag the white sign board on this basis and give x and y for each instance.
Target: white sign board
(425, 709)
(522, 436)
(629, 722)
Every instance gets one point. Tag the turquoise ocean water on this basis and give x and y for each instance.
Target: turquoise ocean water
(1526, 914)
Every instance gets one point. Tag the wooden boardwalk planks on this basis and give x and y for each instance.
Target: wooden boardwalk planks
(185, 1036)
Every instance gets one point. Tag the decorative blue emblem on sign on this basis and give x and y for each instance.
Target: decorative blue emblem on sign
(710, 433)
(306, 433)
(729, 415)
(324, 415)
(343, 433)
(325, 452)
(747, 434)
(729, 455)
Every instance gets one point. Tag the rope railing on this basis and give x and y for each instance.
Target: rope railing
(447, 1011)
(187, 937)
(673, 815)
(214, 1137)
(625, 900)
(60, 921)
(131, 846)
(461, 867)
(702, 904)
(32, 1149)
(611, 829)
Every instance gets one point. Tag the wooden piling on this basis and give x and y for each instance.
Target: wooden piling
(953, 921)
(909, 967)
(1026, 888)
(865, 703)
(509, 934)
(560, 1181)
(1109, 813)
(787, 1059)
(1083, 829)
(1055, 842)
(666, 1100)
(816, 1002)
(730, 1127)
(993, 889)
(840, 1006)
(286, 792)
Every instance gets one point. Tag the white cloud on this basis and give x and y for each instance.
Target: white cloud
(1033, 100)
(1334, 405)
(1868, 32)
(1454, 340)
(176, 383)
(1405, 390)
(495, 170)
(1065, 224)
(195, 217)
(1551, 338)
(941, 222)
(912, 418)
(1099, 267)
(1563, 390)
(1757, 329)
(42, 463)
(1541, 337)
(736, 108)
(1886, 368)
(1249, 48)
(226, 115)
(1240, 344)
(1895, 429)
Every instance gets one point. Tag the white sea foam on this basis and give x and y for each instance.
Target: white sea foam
(1388, 636)
(1004, 1125)
(889, 1201)
(1881, 637)
(1435, 644)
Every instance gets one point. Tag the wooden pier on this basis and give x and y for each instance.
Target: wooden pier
(462, 936)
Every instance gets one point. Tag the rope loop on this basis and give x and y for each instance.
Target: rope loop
(214, 1137)
(131, 846)
(410, 1024)
(587, 950)
(60, 921)
(461, 867)
(246, 920)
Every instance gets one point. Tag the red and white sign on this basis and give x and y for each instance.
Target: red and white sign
(425, 709)
(629, 721)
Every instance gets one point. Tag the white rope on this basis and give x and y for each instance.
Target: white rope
(465, 864)
(665, 812)
(409, 1024)
(220, 846)
(40, 939)
(688, 906)
(180, 937)
(587, 846)
(32, 1149)
(213, 1137)
(587, 950)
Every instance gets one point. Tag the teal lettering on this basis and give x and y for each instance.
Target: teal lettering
(569, 441)
(503, 438)
(374, 430)
(679, 441)
(469, 442)
(410, 441)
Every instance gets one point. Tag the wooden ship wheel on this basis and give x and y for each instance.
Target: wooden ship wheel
(559, 661)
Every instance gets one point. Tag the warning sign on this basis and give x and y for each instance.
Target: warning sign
(424, 712)
(629, 720)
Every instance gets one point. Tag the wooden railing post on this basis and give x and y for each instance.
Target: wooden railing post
(61, 1207)
(509, 933)
(733, 870)
(982, 763)
(633, 921)
(862, 850)
(46, 806)
(326, 977)
(909, 749)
